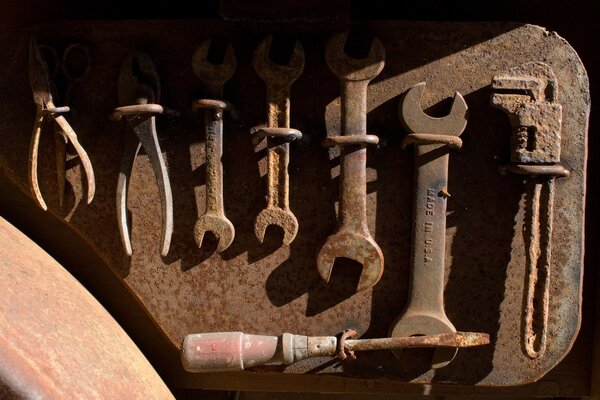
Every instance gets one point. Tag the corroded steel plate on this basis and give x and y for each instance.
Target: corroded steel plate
(268, 289)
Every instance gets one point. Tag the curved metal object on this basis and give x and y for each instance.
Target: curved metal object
(138, 88)
(56, 340)
(416, 121)
(353, 239)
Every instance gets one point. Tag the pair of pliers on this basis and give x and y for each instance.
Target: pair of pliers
(139, 90)
(42, 96)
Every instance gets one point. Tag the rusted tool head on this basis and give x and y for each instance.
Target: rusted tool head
(270, 71)
(138, 80)
(416, 121)
(213, 74)
(361, 248)
(350, 68)
(220, 226)
(528, 95)
(276, 216)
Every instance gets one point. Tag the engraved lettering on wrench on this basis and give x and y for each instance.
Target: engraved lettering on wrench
(433, 137)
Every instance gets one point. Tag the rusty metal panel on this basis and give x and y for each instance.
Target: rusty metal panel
(270, 289)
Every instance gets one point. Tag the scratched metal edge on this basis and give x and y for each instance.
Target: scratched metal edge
(572, 337)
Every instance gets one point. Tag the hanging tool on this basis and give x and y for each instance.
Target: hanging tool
(278, 79)
(433, 139)
(42, 96)
(235, 351)
(214, 76)
(528, 95)
(139, 90)
(353, 239)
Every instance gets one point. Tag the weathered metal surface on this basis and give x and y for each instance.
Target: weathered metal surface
(424, 313)
(536, 120)
(268, 288)
(139, 89)
(278, 79)
(352, 239)
(214, 77)
(56, 340)
(42, 96)
(236, 351)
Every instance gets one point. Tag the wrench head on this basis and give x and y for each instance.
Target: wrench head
(280, 217)
(358, 247)
(208, 72)
(416, 121)
(425, 324)
(350, 68)
(219, 225)
(138, 79)
(270, 71)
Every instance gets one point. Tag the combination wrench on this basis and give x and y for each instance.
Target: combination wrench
(278, 79)
(433, 138)
(353, 239)
(214, 76)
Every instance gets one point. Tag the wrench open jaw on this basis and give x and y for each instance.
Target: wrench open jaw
(417, 122)
(272, 72)
(361, 248)
(353, 239)
(219, 225)
(214, 76)
(278, 79)
(354, 69)
(285, 219)
(138, 89)
(433, 138)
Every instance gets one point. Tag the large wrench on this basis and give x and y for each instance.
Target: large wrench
(278, 79)
(214, 77)
(433, 138)
(353, 239)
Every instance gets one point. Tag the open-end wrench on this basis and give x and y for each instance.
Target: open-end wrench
(214, 76)
(353, 239)
(278, 79)
(433, 138)
(139, 88)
